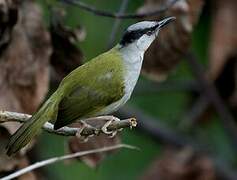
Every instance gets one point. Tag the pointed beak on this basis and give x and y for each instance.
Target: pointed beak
(165, 21)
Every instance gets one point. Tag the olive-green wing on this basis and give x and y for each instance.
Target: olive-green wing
(85, 102)
(91, 87)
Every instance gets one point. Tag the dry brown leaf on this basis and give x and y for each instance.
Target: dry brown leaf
(174, 41)
(9, 164)
(223, 45)
(75, 144)
(6, 163)
(28, 176)
(223, 37)
(25, 49)
(24, 62)
(181, 164)
(8, 18)
(66, 55)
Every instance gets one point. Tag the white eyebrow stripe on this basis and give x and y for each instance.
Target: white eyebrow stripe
(142, 25)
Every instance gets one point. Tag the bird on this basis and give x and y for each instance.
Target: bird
(98, 87)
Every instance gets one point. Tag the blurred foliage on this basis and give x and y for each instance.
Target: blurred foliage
(167, 106)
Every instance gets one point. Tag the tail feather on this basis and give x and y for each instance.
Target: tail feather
(31, 128)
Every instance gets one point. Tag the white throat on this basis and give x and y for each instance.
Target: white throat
(133, 58)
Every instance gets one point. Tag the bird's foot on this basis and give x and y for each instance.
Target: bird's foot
(79, 135)
(105, 130)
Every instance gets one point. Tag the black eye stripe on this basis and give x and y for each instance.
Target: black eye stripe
(130, 36)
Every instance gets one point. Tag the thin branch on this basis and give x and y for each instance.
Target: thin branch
(62, 158)
(116, 24)
(98, 12)
(6, 116)
(211, 93)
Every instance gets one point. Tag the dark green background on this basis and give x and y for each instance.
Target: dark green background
(170, 107)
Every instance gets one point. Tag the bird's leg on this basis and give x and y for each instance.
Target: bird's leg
(83, 126)
(104, 129)
(109, 120)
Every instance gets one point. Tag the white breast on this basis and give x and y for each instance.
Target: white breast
(133, 58)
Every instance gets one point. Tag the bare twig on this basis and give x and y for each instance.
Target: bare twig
(98, 12)
(62, 158)
(211, 93)
(116, 24)
(6, 116)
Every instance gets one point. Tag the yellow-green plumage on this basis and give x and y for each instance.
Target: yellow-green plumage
(85, 92)
(98, 87)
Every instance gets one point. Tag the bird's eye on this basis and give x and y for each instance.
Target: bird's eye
(149, 32)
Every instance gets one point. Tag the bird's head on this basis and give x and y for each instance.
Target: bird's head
(142, 34)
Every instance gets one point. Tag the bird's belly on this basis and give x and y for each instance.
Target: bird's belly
(131, 77)
(115, 106)
(130, 82)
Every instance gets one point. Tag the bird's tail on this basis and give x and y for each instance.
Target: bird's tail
(32, 127)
